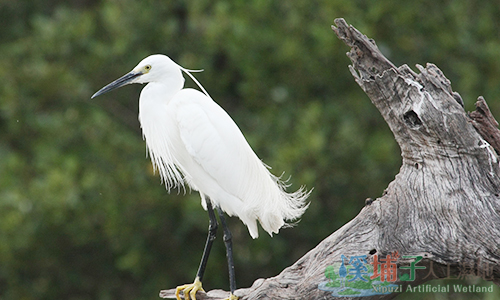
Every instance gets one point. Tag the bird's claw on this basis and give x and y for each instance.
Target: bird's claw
(190, 290)
(232, 297)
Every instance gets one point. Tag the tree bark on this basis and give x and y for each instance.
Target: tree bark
(444, 205)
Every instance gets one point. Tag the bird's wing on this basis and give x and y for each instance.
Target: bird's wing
(214, 141)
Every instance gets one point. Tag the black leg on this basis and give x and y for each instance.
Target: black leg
(229, 250)
(212, 229)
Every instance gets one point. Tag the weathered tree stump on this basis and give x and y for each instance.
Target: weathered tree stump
(444, 205)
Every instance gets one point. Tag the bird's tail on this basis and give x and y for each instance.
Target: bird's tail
(282, 207)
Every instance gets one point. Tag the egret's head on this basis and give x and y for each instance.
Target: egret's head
(157, 67)
(154, 68)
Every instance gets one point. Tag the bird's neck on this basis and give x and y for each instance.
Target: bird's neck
(161, 91)
(155, 97)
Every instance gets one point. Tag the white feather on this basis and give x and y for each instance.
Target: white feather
(193, 141)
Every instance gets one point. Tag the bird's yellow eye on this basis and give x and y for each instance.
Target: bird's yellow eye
(147, 68)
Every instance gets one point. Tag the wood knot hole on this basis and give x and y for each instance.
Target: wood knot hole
(411, 119)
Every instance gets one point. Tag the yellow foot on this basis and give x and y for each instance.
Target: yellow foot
(190, 290)
(232, 297)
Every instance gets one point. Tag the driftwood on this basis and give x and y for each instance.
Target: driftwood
(443, 206)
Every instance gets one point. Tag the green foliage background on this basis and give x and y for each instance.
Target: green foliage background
(82, 216)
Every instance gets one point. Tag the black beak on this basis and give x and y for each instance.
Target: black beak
(124, 80)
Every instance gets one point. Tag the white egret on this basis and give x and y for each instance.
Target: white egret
(193, 141)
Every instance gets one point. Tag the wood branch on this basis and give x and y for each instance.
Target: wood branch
(485, 124)
(443, 206)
